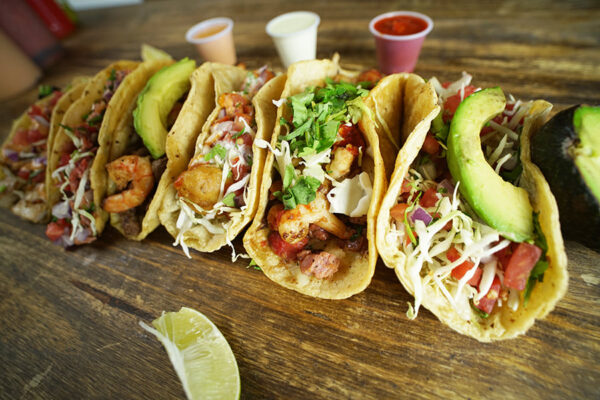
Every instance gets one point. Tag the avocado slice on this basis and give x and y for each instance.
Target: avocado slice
(567, 151)
(500, 204)
(156, 101)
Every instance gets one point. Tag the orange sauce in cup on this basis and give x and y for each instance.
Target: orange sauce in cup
(209, 31)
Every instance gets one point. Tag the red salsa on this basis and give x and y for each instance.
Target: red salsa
(401, 25)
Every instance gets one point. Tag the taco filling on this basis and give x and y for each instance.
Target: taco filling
(448, 247)
(215, 184)
(73, 221)
(318, 203)
(24, 159)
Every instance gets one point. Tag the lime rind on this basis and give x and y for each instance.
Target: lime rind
(199, 353)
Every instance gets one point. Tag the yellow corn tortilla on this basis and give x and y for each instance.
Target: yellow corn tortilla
(120, 116)
(226, 79)
(381, 127)
(503, 323)
(92, 92)
(24, 122)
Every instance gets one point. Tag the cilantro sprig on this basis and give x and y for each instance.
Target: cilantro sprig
(217, 150)
(318, 113)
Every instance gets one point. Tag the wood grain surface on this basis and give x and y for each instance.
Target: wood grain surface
(69, 319)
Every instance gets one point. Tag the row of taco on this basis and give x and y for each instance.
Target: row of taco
(329, 168)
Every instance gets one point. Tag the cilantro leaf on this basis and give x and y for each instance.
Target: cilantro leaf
(46, 90)
(240, 133)
(289, 176)
(217, 150)
(303, 192)
(482, 314)
(537, 273)
(3, 188)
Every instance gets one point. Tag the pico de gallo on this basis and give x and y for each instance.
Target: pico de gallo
(448, 248)
(321, 193)
(24, 159)
(73, 217)
(215, 185)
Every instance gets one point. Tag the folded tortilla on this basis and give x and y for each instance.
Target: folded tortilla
(73, 118)
(382, 128)
(37, 210)
(120, 117)
(502, 323)
(225, 79)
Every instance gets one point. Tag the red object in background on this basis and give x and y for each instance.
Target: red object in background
(53, 16)
(401, 25)
(23, 25)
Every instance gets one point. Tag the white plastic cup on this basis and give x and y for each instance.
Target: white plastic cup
(295, 36)
(217, 46)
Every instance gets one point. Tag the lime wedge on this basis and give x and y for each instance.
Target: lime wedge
(151, 53)
(199, 353)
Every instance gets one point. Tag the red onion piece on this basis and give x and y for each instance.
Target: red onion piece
(421, 215)
(448, 186)
(11, 155)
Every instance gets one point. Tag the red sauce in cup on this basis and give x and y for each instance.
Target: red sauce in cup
(401, 25)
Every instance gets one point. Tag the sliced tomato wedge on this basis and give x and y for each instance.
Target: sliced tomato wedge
(520, 265)
(55, 230)
(487, 302)
(460, 270)
(284, 249)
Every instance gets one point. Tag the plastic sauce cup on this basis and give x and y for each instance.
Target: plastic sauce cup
(214, 40)
(295, 36)
(399, 52)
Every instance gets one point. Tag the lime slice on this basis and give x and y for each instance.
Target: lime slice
(151, 53)
(199, 353)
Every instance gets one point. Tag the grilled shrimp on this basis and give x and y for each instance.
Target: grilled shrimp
(135, 171)
(201, 185)
(294, 225)
(341, 164)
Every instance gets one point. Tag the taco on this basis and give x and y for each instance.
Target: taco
(468, 222)
(24, 152)
(215, 194)
(137, 157)
(325, 175)
(76, 185)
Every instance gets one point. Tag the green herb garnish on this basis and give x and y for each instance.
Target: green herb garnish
(3, 188)
(254, 264)
(46, 90)
(113, 75)
(303, 192)
(229, 200)
(537, 273)
(240, 133)
(217, 150)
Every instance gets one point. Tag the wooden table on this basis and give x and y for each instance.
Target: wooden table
(69, 319)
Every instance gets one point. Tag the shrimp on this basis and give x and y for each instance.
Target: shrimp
(341, 164)
(134, 172)
(201, 185)
(294, 225)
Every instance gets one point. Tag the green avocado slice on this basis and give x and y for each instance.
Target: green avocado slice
(498, 203)
(586, 121)
(156, 101)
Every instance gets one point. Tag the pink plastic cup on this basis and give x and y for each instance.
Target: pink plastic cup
(399, 53)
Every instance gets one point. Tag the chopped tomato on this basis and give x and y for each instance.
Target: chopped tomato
(431, 146)
(397, 212)
(487, 302)
(35, 135)
(35, 110)
(503, 255)
(371, 75)
(64, 159)
(21, 138)
(453, 102)
(239, 170)
(520, 265)
(429, 198)
(284, 249)
(245, 139)
(77, 173)
(460, 270)
(55, 230)
(448, 225)
(23, 173)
